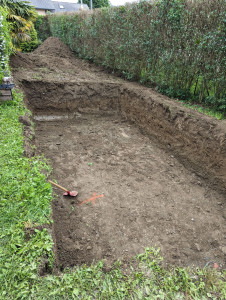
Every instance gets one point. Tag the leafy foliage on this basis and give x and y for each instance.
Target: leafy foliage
(5, 43)
(42, 27)
(32, 43)
(176, 46)
(20, 17)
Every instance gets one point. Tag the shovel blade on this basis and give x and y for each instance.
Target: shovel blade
(71, 193)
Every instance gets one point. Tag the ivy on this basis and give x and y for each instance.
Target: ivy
(5, 44)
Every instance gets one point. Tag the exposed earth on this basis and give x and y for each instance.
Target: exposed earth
(149, 172)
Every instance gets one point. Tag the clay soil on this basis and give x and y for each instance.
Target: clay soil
(142, 181)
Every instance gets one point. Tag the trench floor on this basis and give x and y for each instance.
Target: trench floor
(133, 194)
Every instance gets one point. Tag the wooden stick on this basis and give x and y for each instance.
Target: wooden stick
(57, 185)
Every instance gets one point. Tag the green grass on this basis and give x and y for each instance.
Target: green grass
(25, 202)
(206, 111)
(25, 199)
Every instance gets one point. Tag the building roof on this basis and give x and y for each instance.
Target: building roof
(56, 6)
(42, 4)
(67, 6)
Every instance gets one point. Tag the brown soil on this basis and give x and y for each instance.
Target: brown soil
(29, 137)
(159, 168)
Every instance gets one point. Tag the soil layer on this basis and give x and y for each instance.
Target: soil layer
(149, 172)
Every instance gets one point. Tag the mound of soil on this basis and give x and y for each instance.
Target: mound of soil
(53, 60)
(21, 60)
(54, 47)
(158, 168)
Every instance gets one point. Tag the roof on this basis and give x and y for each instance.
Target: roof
(42, 4)
(67, 7)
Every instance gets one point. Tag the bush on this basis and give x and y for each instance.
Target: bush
(30, 45)
(42, 28)
(176, 45)
(20, 17)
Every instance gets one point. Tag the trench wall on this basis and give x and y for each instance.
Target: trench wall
(198, 141)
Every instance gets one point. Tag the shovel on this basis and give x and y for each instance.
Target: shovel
(67, 192)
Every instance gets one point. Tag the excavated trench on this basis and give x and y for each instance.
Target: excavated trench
(149, 172)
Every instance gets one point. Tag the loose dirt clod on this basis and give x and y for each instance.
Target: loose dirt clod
(158, 170)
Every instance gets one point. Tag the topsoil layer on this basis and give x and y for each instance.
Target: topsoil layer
(149, 172)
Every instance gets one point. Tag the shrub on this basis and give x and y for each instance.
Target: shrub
(20, 16)
(175, 45)
(30, 45)
(42, 27)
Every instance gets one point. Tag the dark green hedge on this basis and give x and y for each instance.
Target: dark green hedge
(42, 27)
(176, 45)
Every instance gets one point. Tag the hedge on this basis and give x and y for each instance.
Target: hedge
(176, 45)
(42, 27)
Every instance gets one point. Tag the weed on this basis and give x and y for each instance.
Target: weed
(37, 76)
(206, 111)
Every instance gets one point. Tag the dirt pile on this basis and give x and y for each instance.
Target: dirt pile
(21, 60)
(54, 47)
(54, 61)
(159, 188)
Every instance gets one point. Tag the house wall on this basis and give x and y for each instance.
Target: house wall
(41, 12)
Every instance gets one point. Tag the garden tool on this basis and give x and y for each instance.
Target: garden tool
(67, 192)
